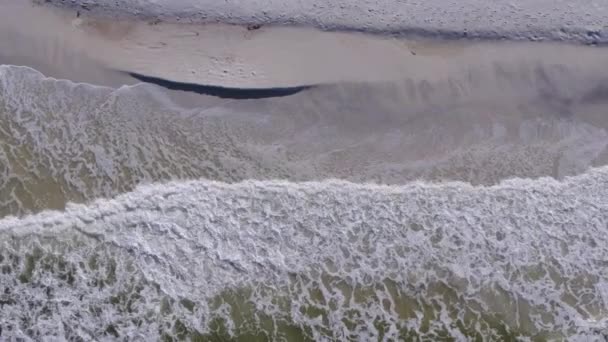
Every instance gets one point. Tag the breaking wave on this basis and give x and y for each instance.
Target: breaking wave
(125, 216)
(63, 142)
(318, 261)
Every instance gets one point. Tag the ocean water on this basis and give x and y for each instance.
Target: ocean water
(470, 208)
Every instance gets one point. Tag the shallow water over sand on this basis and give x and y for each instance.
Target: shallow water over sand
(479, 125)
(297, 260)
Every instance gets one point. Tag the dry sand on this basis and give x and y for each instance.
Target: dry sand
(582, 21)
(64, 44)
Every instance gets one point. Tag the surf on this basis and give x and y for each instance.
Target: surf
(322, 259)
(423, 191)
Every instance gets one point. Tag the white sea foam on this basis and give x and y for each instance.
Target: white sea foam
(323, 260)
(65, 142)
(532, 254)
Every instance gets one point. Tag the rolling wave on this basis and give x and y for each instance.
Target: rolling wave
(324, 260)
(126, 216)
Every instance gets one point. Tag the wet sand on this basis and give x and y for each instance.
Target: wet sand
(67, 44)
(380, 109)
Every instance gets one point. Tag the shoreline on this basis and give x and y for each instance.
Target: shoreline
(518, 20)
(175, 181)
(94, 50)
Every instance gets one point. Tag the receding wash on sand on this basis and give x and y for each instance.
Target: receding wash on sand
(315, 170)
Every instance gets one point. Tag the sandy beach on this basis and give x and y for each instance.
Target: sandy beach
(259, 170)
(235, 56)
(520, 20)
(339, 104)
